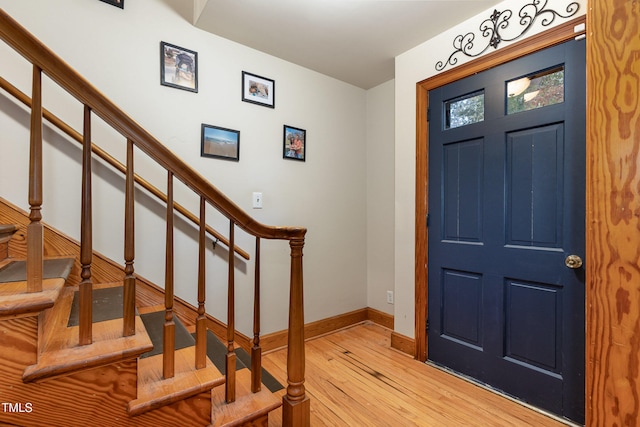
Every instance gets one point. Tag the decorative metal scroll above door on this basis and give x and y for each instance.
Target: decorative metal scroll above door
(495, 29)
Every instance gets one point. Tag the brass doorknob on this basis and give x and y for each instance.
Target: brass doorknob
(573, 261)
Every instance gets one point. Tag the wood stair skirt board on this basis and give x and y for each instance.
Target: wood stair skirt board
(59, 352)
(14, 299)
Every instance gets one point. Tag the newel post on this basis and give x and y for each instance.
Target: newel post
(296, 404)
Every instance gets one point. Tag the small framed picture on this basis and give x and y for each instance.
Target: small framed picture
(117, 3)
(220, 142)
(295, 143)
(258, 90)
(178, 67)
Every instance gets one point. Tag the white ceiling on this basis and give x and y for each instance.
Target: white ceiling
(351, 40)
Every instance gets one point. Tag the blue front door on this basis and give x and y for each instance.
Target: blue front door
(506, 228)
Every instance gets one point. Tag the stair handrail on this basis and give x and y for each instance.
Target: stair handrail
(296, 405)
(75, 135)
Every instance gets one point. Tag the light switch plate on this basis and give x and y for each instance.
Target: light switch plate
(257, 200)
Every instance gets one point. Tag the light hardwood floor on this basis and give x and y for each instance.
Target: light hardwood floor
(355, 379)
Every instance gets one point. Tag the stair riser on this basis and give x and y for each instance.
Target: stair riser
(4, 251)
(259, 422)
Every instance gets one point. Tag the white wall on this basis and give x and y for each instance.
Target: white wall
(380, 191)
(412, 67)
(118, 51)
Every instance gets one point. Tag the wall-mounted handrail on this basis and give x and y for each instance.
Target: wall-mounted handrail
(153, 190)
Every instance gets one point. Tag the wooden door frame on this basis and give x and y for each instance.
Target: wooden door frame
(551, 37)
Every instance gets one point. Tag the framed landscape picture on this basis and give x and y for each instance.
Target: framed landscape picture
(294, 144)
(258, 90)
(178, 67)
(220, 142)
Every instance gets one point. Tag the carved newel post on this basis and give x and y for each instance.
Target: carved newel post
(295, 404)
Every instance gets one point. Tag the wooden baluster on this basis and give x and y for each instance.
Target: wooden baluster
(256, 350)
(169, 336)
(230, 360)
(86, 246)
(35, 230)
(201, 320)
(129, 285)
(295, 404)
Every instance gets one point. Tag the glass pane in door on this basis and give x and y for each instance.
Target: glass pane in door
(535, 90)
(464, 110)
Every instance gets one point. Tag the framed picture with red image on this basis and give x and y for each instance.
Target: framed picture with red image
(295, 143)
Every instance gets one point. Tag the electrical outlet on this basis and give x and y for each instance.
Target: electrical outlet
(389, 297)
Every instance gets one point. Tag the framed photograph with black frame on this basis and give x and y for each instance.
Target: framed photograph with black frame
(258, 90)
(294, 144)
(178, 67)
(117, 3)
(221, 143)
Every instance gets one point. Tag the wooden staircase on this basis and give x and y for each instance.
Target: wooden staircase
(86, 341)
(116, 380)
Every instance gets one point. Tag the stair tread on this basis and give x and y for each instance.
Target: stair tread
(6, 231)
(154, 391)
(217, 350)
(7, 228)
(61, 353)
(107, 305)
(53, 268)
(154, 323)
(14, 298)
(247, 407)
(15, 301)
